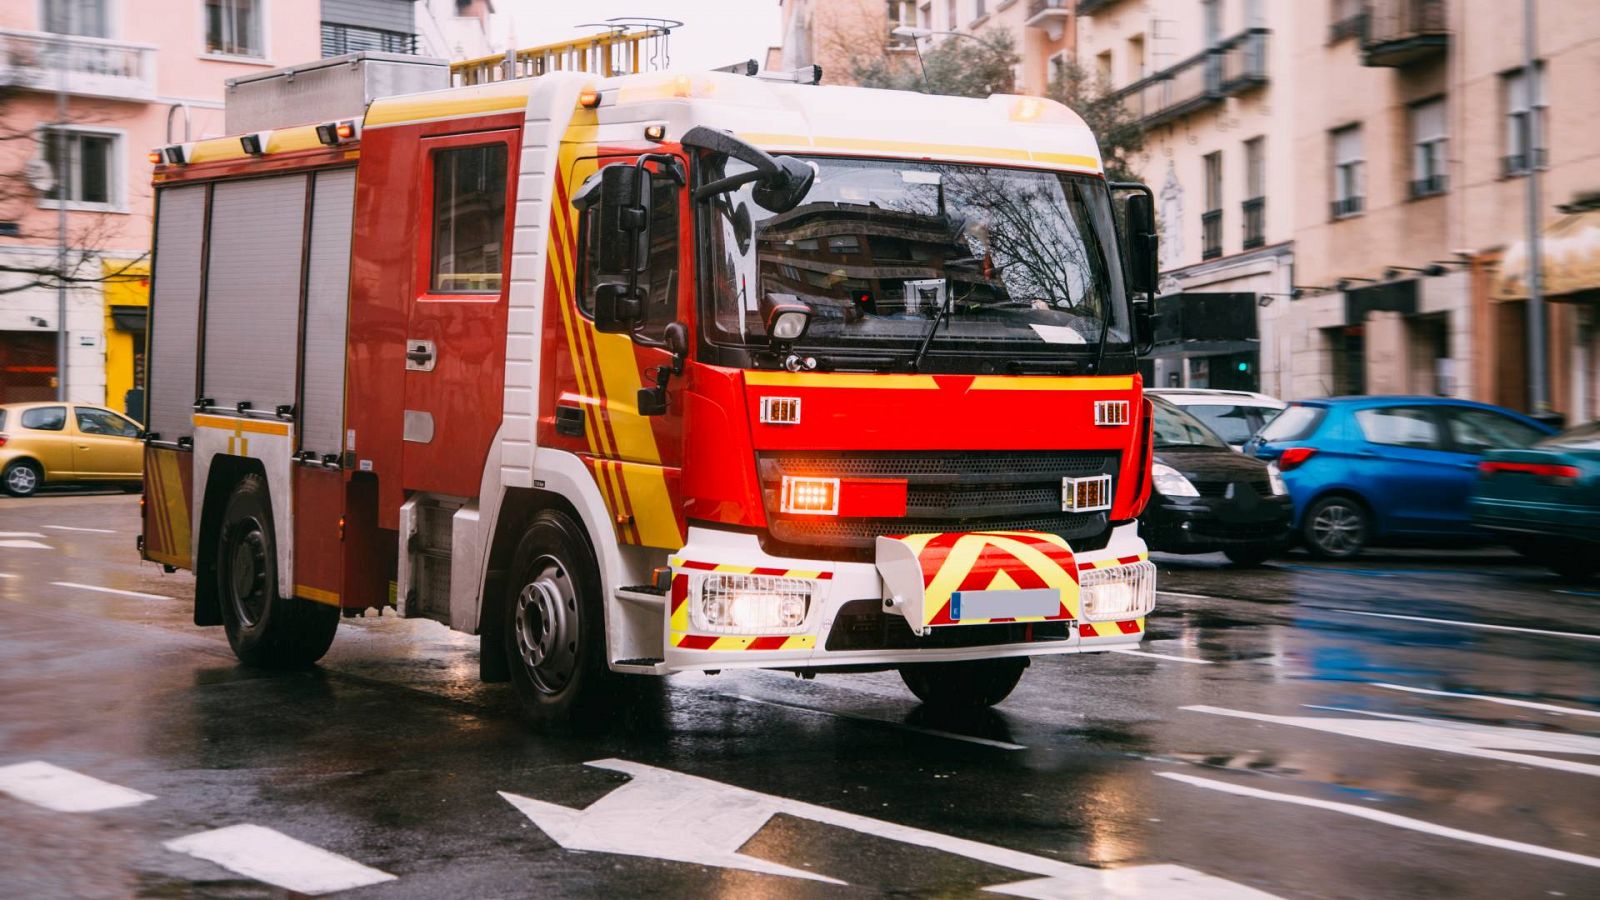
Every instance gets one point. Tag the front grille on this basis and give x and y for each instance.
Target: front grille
(1220, 488)
(945, 491)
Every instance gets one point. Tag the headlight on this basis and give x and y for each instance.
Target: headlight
(1276, 477)
(1120, 592)
(749, 604)
(1170, 482)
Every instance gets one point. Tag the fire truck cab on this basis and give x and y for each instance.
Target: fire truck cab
(635, 374)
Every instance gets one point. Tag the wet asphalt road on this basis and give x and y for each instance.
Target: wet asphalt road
(1290, 736)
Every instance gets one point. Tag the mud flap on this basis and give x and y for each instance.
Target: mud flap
(979, 578)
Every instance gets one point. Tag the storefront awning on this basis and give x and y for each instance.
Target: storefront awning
(1571, 270)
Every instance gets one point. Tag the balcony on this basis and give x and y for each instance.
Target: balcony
(1431, 186)
(1402, 32)
(1255, 222)
(1234, 66)
(1211, 234)
(1345, 207)
(1090, 7)
(81, 66)
(1051, 15)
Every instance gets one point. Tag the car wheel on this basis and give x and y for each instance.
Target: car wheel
(1248, 557)
(970, 684)
(554, 626)
(22, 478)
(1336, 528)
(263, 628)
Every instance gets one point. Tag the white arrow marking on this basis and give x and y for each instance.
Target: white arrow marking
(85, 530)
(663, 814)
(1507, 701)
(24, 545)
(64, 790)
(277, 859)
(105, 590)
(1483, 741)
(1484, 625)
(1363, 812)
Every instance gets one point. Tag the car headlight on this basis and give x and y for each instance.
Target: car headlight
(1170, 482)
(1276, 478)
(749, 604)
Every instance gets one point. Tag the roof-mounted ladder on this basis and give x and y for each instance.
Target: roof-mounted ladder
(619, 51)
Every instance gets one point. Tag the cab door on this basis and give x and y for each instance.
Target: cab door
(455, 341)
(105, 446)
(636, 458)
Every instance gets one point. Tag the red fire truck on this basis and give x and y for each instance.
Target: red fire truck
(644, 373)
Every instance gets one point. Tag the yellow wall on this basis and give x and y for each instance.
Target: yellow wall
(129, 288)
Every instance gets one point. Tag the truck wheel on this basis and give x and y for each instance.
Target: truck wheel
(22, 478)
(964, 685)
(1336, 528)
(263, 628)
(555, 626)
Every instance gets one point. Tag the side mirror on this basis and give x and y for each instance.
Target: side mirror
(620, 242)
(617, 307)
(1141, 225)
(781, 182)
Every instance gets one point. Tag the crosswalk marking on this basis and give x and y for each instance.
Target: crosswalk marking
(105, 590)
(1362, 812)
(277, 859)
(64, 790)
(23, 545)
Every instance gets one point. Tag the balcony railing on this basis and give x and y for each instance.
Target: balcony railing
(1345, 207)
(1211, 234)
(1048, 13)
(1255, 222)
(1231, 67)
(1401, 32)
(1429, 186)
(337, 40)
(1088, 7)
(83, 66)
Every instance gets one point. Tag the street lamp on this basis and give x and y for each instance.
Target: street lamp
(917, 34)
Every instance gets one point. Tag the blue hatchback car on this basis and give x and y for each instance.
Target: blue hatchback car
(1365, 470)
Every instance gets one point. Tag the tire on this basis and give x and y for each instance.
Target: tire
(1336, 528)
(1247, 557)
(554, 627)
(22, 478)
(263, 628)
(973, 684)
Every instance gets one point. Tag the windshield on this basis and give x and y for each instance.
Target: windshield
(1234, 424)
(1020, 260)
(1176, 428)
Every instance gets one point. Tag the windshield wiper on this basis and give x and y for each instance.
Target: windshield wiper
(927, 340)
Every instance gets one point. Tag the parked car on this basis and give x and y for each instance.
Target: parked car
(64, 443)
(1366, 470)
(1234, 415)
(1208, 497)
(1544, 501)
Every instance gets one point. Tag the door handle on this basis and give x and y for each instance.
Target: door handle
(419, 356)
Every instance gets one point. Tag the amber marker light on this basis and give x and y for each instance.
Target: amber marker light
(154, 156)
(655, 132)
(809, 496)
(589, 99)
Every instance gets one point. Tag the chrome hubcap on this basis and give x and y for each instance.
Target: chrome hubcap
(547, 626)
(1338, 529)
(22, 479)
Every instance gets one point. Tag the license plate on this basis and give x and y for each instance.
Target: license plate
(1004, 604)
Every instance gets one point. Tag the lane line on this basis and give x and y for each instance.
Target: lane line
(1508, 701)
(85, 530)
(1189, 596)
(23, 545)
(857, 717)
(1579, 635)
(64, 790)
(1373, 815)
(277, 859)
(20, 534)
(6, 575)
(1182, 659)
(105, 590)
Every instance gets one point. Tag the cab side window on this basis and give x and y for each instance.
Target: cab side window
(469, 218)
(45, 418)
(660, 283)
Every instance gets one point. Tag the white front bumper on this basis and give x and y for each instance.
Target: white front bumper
(838, 583)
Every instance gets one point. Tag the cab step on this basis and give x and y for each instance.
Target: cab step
(643, 595)
(644, 666)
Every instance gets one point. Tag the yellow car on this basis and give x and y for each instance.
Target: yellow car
(63, 443)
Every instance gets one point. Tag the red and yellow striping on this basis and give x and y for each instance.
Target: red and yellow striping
(993, 561)
(679, 621)
(1090, 630)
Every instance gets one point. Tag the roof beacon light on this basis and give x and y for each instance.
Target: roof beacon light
(333, 133)
(256, 144)
(155, 157)
(655, 132)
(177, 154)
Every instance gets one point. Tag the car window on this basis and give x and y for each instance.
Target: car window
(2, 420)
(45, 418)
(1477, 430)
(1400, 426)
(101, 421)
(1294, 423)
(1233, 424)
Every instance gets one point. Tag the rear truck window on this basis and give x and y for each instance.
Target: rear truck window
(1295, 423)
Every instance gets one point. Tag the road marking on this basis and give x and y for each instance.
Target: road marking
(1182, 659)
(857, 717)
(105, 590)
(277, 859)
(1188, 596)
(1582, 636)
(1363, 812)
(86, 530)
(1508, 701)
(661, 814)
(6, 575)
(20, 534)
(1483, 741)
(64, 790)
(23, 545)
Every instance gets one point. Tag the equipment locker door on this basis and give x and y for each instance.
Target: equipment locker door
(456, 336)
